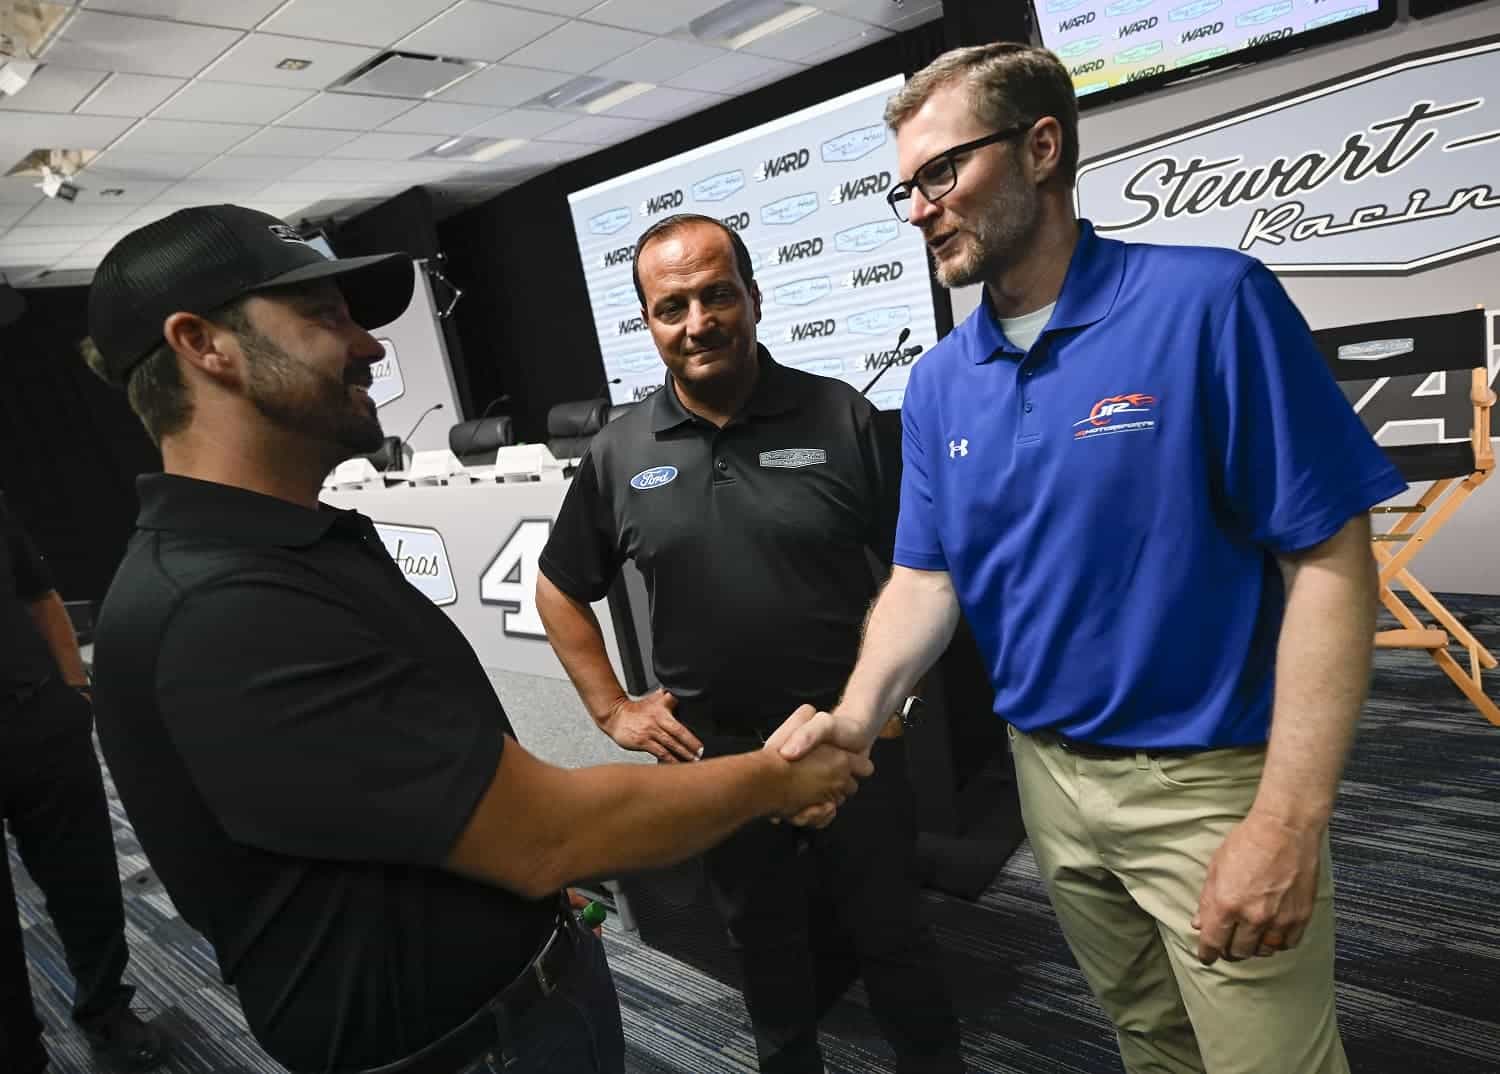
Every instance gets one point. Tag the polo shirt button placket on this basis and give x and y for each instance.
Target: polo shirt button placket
(1029, 426)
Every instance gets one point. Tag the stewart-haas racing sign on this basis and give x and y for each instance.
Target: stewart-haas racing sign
(1391, 170)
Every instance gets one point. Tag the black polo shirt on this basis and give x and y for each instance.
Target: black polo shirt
(755, 540)
(299, 737)
(25, 660)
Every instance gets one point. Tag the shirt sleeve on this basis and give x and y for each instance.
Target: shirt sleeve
(917, 540)
(323, 741)
(582, 556)
(882, 462)
(33, 579)
(1295, 461)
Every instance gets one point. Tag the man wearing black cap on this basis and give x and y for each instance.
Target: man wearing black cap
(52, 799)
(312, 755)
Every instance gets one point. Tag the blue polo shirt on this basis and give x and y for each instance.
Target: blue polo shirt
(1110, 503)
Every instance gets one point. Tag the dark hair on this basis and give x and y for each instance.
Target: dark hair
(1007, 84)
(676, 222)
(155, 388)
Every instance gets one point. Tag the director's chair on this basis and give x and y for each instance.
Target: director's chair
(1452, 344)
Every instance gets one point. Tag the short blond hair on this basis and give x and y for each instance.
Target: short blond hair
(1007, 84)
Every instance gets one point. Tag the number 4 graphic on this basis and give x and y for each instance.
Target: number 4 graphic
(510, 579)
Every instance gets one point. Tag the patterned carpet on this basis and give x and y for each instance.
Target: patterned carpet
(1417, 864)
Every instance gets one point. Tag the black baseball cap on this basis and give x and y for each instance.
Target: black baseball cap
(202, 258)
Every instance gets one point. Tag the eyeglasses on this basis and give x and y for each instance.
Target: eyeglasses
(937, 178)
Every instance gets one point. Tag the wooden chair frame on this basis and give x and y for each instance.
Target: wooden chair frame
(1396, 547)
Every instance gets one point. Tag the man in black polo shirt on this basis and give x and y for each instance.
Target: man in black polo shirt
(312, 755)
(754, 501)
(52, 799)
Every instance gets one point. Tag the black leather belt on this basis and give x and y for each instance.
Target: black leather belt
(487, 1032)
(1094, 751)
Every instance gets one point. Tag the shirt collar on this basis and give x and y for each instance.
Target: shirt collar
(209, 509)
(1089, 289)
(772, 395)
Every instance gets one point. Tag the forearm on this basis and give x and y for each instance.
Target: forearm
(578, 640)
(626, 817)
(1322, 675)
(56, 629)
(905, 634)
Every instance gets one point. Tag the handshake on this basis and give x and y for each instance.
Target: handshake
(815, 758)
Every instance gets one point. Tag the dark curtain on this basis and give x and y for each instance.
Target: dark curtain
(523, 320)
(72, 447)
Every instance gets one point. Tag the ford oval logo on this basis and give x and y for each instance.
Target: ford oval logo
(654, 478)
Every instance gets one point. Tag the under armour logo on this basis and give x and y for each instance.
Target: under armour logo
(957, 448)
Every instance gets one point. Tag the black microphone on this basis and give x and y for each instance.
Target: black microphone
(419, 421)
(892, 360)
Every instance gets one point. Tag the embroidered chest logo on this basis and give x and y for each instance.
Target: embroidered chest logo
(1115, 415)
(793, 458)
(653, 478)
(957, 448)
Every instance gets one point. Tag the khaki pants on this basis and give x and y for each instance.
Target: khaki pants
(1123, 846)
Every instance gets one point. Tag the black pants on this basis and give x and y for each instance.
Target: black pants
(52, 799)
(770, 881)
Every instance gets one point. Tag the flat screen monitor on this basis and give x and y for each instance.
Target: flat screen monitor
(1118, 48)
(840, 277)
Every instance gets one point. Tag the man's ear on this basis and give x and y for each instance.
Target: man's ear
(203, 345)
(755, 299)
(1044, 144)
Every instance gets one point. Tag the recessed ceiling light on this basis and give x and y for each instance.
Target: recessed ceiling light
(291, 63)
(591, 93)
(471, 148)
(739, 22)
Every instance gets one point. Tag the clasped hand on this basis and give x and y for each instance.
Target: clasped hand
(809, 733)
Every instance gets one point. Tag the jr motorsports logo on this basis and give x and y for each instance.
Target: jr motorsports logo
(423, 559)
(388, 384)
(1133, 413)
(1391, 171)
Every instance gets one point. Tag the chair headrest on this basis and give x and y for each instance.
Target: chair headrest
(579, 417)
(481, 435)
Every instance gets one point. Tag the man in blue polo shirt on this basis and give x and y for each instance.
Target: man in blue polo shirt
(1132, 472)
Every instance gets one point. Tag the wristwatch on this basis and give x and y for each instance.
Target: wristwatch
(911, 711)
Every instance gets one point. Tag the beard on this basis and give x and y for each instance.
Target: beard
(994, 238)
(302, 400)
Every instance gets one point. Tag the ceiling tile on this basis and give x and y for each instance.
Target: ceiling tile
(255, 58)
(211, 192)
(182, 136)
(242, 14)
(293, 142)
(652, 16)
(474, 30)
(231, 102)
(666, 103)
(78, 261)
(560, 7)
(578, 47)
(807, 37)
(659, 60)
(351, 173)
(441, 117)
(53, 213)
(600, 130)
(378, 145)
(523, 123)
(733, 70)
(132, 193)
(33, 254)
(21, 132)
(54, 89)
(130, 95)
(19, 190)
(9, 214)
(358, 22)
(41, 236)
(347, 111)
(503, 85)
(120, 166)
(884, 13)
(150, 215)
(868, 36)
(243, 167)
(302, 194)
(284, 209)
(106, 42)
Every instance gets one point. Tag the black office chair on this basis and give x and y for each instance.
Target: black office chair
(571, 425)
(391, 455)
(618, 411)
(475, 442)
